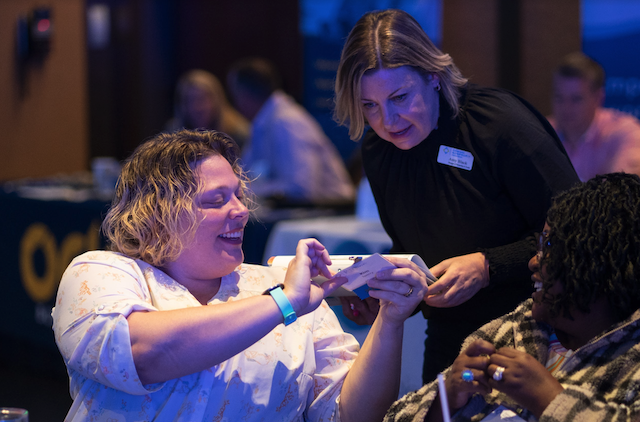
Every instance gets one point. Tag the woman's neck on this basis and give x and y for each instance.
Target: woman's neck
(586, 326)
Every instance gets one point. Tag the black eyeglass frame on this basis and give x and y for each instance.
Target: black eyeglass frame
(543, 244)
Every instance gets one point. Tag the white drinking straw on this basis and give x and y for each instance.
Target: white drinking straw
(443, 399)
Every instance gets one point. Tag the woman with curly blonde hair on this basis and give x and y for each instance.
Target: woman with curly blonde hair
(152, 217)
(170, 325)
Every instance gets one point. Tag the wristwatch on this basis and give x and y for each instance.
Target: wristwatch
(283, 303)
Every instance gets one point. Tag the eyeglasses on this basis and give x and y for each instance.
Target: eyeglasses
(543, 243)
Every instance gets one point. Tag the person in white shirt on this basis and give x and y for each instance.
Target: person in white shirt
(288, 154)
(170, 325)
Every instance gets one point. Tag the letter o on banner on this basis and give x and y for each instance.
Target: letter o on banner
(38, 237)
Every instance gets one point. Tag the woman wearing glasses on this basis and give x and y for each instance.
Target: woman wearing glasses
(572, 352)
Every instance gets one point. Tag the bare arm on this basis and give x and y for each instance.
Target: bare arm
(170, 344)
(373, 382)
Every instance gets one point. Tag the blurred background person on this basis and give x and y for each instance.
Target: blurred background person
(200, 103)
(598, 140)
(289, 155)
(571, 352)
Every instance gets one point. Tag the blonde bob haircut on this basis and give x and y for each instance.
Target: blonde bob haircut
(154, 212)
(388, 39)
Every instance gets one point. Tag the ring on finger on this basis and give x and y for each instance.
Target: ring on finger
(467, 375)
(409, 292)
(497, 375)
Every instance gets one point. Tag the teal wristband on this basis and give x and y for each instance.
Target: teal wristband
(283, 303)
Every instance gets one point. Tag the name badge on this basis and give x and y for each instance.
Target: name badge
(455, 157)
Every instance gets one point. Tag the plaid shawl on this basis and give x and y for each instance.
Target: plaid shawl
(601, 379)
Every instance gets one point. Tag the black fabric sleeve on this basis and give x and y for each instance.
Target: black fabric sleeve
(375, 149)
(506, 262)
(530, 164)
(396, 246)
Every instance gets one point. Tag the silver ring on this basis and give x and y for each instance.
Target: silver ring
(467, 375)
(409, 292)
(497, 375)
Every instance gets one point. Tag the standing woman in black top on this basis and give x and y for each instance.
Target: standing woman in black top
(462, 175)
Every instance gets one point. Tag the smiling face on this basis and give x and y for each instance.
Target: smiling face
(400, 105)
(540, 309)
(216, 249)
(577, 328)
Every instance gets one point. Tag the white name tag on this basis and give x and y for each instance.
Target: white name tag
(455, 157)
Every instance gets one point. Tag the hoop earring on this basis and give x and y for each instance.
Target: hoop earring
(438, 87)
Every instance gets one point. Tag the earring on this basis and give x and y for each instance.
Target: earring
(438, 87)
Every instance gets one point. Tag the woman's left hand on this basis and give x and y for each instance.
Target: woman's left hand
(474, 361)
(524, 379)
(399, 290)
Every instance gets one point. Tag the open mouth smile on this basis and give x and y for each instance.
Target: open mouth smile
(401, 132)
(234, 235)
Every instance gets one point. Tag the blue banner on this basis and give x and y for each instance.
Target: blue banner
(611, 36)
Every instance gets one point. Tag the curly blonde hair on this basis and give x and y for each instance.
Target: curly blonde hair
(384, 40)
(152, 216)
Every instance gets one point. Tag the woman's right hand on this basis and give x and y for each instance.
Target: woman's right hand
(474, 358)
(459, 279)
(311, 259)
(362, 312)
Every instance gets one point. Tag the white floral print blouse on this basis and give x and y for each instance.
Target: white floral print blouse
(294, 373)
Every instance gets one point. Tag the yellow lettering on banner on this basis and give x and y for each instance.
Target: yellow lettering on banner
(41, 288)
(38, 237)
